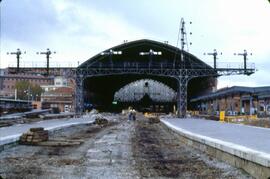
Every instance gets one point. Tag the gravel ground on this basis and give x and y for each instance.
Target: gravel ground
(121, 149)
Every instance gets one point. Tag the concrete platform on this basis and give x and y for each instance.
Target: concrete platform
(246, 147)
(12, 133)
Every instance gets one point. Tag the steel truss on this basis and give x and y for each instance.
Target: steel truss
(183, 76)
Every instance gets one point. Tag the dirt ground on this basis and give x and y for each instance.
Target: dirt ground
(259, 123)
(122, 149)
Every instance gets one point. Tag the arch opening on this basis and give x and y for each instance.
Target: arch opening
(99, 92)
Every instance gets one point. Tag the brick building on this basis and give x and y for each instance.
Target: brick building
(8, 82)
(58, 89)
(61, 98)
(9, 77)
(235, 100)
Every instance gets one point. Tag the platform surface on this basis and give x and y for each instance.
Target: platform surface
(255, 138)
(11, 133)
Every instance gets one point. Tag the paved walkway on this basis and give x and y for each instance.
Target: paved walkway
(11, 134)
(254, 138)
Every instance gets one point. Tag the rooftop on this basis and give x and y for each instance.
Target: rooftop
(264, 90)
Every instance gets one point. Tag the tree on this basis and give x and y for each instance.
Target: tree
(26, 90)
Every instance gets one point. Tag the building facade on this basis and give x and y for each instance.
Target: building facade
(61, 98)
(8, 82)
(236, 100)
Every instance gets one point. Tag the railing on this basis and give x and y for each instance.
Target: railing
(168, 65)
(32, 64)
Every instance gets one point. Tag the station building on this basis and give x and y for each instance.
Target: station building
(61, 98)
(59, 95)
(58, 88)
(236, 100)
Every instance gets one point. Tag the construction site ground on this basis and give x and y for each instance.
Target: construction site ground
(120, 149)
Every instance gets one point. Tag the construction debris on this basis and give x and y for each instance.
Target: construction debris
(118, 150)
(34, 136)
(101, 121)
(153, 120)
(60, 143)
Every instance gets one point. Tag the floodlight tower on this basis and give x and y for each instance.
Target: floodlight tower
(245, 54)
(110, 53)
(214, 54)
(18, 56)
(48, 54)
(151, 53)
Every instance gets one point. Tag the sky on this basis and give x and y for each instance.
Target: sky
(78, 30)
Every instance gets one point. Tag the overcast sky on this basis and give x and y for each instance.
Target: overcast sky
(77, 30)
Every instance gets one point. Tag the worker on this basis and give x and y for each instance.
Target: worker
(130, 114)
(133, 114)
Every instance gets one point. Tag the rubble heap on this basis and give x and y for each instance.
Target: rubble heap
(34, 136)
(101, 121)
(153, 120)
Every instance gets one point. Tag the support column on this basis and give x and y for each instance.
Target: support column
(216, 106)
(250, 105)
(79, 95)
(233, 104)
(241, 104)
(182, 96)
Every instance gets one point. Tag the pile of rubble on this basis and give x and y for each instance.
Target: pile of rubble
(101, 120)
(153, 119)
(34, 136)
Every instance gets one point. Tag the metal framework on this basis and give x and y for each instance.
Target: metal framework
(18, 56)
(183, 76)
(48, 54)
(147, 57)
(136, 90)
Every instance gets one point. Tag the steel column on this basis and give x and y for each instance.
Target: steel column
(182, 94)
(182, 75)
(79, 94)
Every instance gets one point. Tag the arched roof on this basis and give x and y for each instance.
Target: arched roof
(136, 90)
(131, 53)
